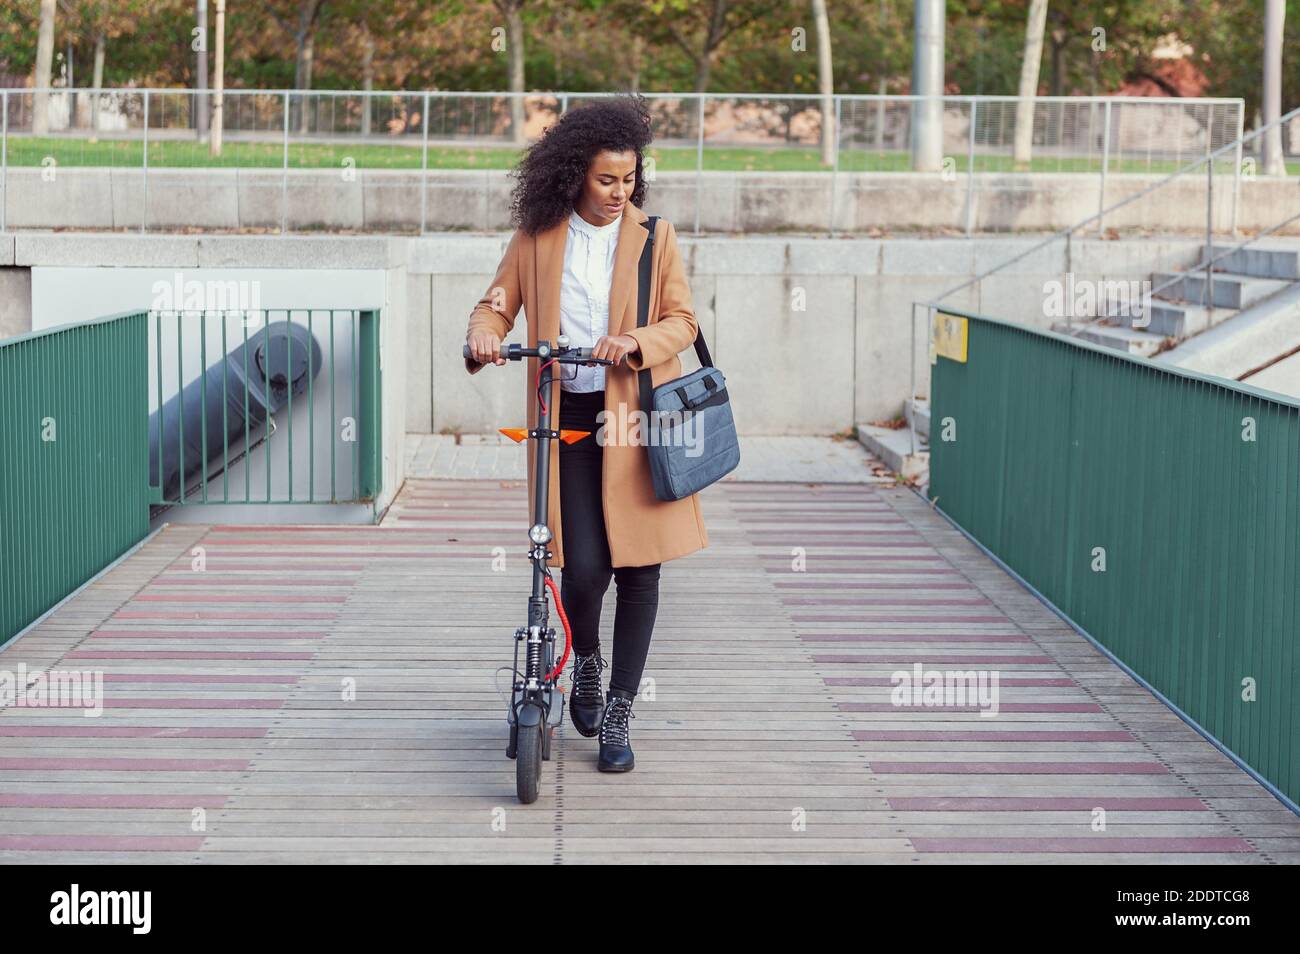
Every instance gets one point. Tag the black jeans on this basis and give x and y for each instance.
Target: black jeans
(587, 568)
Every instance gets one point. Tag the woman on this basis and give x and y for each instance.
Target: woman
(571, 264)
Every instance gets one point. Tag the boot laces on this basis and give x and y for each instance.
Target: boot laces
(586, 677)
(613, 730)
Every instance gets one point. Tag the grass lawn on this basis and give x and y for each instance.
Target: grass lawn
(170, 153)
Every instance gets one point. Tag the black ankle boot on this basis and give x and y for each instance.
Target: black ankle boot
(586, 700)
(615, 743)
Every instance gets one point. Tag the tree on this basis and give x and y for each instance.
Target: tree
(825, 80)
(696, 27)
(44, 60)
(512, 10)
(1029, 66)
(302, 28)
(218, 80)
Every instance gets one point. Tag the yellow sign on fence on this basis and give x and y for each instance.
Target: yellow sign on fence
(949, 337)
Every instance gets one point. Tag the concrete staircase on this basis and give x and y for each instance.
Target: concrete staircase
(1244, 281)
(904, 450)
(1265, 331)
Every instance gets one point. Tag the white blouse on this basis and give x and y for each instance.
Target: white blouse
(584, 295)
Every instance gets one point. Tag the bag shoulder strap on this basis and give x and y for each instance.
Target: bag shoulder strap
(643, 298)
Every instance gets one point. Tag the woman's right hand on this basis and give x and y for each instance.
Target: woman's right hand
(485, 347)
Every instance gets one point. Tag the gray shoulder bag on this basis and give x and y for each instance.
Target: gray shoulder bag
(691, 436)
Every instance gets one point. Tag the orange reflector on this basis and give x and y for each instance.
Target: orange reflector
(518, 434)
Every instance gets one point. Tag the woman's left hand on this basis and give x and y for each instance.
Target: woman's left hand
(614, 349)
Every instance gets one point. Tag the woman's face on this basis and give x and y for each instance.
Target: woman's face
(611, 179)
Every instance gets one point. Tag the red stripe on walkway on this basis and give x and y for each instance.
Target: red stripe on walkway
(179, 654)
(886, 681)
(99, 843)
(875, 618)
(60, 800)
(235, 598)
(1097, 844)
(230, 578)
(932, 658)
(1004, 707)
(1018, 768)
(169, 703)
(199, 677)
(122, 765)
(941, 803)
(217, 614)
(913, 637)
(78, 731)
(222, 634)
(991, 735)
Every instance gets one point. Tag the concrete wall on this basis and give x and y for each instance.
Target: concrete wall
(729, 202)
(849, 355)
(815, 335)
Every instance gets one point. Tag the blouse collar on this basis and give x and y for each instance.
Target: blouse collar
(596, 231)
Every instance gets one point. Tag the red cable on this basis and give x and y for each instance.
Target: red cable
(538, 385)
(568, 637)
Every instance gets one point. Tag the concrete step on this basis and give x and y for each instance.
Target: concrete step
(1262, 260)
(1230, 290)
(1179, 321)
(917, 412)
(1142, 343)
(1247, 341)
(894, 449)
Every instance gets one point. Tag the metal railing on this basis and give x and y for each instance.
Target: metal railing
(227, 382)
(923, 312)
(73, 454)
(1156, 508)
(342, 133)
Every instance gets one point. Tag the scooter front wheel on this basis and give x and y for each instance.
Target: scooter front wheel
(528, 762)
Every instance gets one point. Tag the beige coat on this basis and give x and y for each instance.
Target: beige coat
(641, 528)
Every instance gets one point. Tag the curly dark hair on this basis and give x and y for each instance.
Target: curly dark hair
(553, 170)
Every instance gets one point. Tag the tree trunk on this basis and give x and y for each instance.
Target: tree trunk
(638, 53)
(218, 81)
(1029, 64)
(44, 60)
(515, 55)
(305, 60)
(825, 81)
(96, 81)
(367, 77)
(201, 86)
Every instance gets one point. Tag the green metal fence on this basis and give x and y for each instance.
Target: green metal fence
(73, 459)
(1158, 509)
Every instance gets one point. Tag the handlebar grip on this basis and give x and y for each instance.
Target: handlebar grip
(470, 356)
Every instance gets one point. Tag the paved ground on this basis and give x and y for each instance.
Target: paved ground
(802, 459)
(327, 694)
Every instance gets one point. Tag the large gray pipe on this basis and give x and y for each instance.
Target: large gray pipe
(278, 362)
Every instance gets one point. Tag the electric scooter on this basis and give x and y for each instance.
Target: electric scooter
(537, 702)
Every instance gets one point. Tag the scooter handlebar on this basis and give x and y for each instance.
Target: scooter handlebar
(514, 352)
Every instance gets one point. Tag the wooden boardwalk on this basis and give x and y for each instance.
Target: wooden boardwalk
(330, 694)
